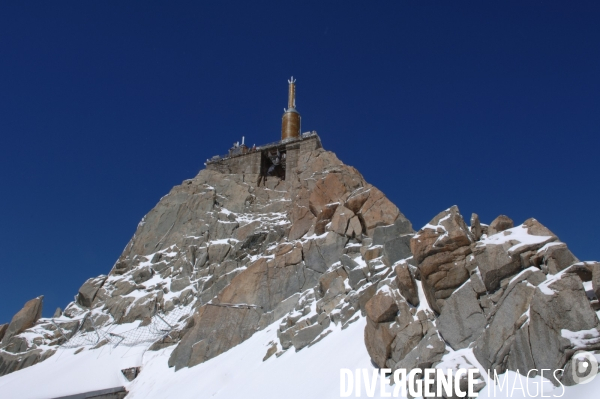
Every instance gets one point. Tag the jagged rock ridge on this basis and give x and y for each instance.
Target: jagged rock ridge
(514, 296)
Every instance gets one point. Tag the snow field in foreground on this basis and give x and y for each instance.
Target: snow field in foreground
(313, 372)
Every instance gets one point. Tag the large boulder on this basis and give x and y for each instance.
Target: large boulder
(494, 263)
(462, 320)
(87, 292)
(499, 224)
(444, 233)
(387, 314)
(378, 341)
(538, 328)
(535, 228)
(428, 352)
(140, 309)
(494, 344)
(305, 336)
(442, 273)
(555, 256)
(328, 278)
(142, 274)
(117, 307)
(122, 287)
(476, 229)
(179, 283)
(440, 248)
(404, 342)
(559, 310)
(24, 319)
(218, 252)
(340, 220)
(378, 211)
(504, 254)
(357, 199)
(382, 307)
(355, 228)
(406, 283)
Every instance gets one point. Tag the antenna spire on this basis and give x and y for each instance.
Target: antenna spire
(292, 93)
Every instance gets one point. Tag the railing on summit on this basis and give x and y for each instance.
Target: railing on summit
(303, 136)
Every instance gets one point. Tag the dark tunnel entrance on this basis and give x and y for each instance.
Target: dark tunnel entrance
(273, 163)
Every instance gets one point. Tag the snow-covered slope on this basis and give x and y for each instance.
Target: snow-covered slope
(313, 372)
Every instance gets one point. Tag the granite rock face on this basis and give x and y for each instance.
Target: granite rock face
(3, 328)
(559, 311)
(440, 250)
(407, 284)
(231, 254)
(596, 278)
(16, 351)
(24, 319)
(87, 292)
(514, 296)
(238, 253)
(462, 320)
(499, 224)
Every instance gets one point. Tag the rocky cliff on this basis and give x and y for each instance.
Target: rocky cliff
(239, 256)
(221, 257)
(514, 297)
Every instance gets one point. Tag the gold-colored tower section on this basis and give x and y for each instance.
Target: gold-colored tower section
(290, 124)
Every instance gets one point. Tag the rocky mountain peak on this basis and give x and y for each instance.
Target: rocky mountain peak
(240, 251)
(315, 248)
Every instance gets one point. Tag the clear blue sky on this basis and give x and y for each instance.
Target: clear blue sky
(104, 106)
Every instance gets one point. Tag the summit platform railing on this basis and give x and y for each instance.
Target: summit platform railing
(303, 136)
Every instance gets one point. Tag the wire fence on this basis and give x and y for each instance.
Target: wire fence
(158, 327)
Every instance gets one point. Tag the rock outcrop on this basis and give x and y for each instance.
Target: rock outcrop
(88, 291)
(514, 296)
(406, 283)
(24, 319)
(440, 249)
(499, 224)
(18, 351)
(596, 279)
(3, 328)
(462, 320)
(319, 250)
